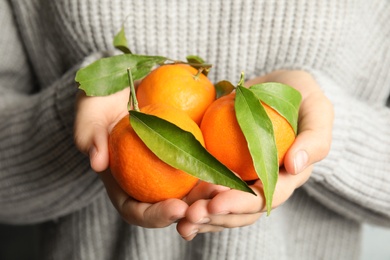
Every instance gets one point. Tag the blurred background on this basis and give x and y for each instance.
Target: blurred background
(376, 243)
(22, 243)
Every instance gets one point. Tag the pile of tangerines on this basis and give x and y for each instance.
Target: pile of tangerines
(184, 96)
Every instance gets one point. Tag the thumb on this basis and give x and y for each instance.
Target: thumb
(98, 151)
(314, 138)
(308, 148)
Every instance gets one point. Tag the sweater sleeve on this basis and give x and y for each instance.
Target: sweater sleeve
(354, 179)
(42, 174)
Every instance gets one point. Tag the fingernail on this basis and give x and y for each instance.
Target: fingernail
(193, 232)
(223, 213)
(300, 160)
(203, 221)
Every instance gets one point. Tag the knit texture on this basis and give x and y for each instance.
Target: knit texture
(44, 179)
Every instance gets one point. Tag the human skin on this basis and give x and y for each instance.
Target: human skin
(208, 207)
(214, 208)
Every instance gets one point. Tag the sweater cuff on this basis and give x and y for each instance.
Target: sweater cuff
(352, 179)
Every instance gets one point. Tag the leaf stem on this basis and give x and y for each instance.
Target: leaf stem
(133, 102)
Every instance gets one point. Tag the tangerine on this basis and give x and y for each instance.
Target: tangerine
(225, 140)
(180, 86)
(138, 171)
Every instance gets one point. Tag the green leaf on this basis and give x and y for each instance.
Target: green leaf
(283, 98)
(258, 131)
(120, 41)
(197, 62)
(181, 150)
(195, 59)
(223, 88)
(109, 75)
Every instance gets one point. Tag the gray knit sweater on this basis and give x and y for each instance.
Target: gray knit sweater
(44, 179)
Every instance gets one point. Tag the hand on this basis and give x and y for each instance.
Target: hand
(146, 215)
(213, 208)
(315, 119)
(95, 118)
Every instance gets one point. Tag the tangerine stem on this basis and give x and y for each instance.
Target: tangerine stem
(133, 102)
(241, 82)
(200, 70)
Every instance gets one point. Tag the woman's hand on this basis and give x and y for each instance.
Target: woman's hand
(213, 208)
(95, 118)
(315, 119)
(146, 215)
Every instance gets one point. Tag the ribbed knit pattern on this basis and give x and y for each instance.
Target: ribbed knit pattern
(44, 179)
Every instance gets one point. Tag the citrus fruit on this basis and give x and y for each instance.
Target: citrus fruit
(138, 171)
(180, 86)
(225, 140)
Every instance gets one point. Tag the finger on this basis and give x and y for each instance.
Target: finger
(234, 203)
(116, 194)
(315, 134)
(204, 190)
(157, 215)
(188, 230)
(147, 215)
(209, 216)
(98, 151)
(198, 213)
(287, 183)
(238, 202)
(230, 221)
(226, 202)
